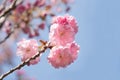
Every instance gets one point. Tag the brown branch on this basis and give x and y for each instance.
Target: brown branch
(9, 34)
(43, 48)
(6, 37)
(13, 6)
(3, 19)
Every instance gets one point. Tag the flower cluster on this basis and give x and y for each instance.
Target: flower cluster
(61, 37)
(64, 49)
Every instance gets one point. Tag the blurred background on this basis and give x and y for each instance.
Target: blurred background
(99, 40)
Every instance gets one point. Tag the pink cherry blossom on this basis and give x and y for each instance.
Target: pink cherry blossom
(66, 20)
(61, 37)
(62, 56)
(26, 49)
(61, 34)
(74, 48)
(63, 30)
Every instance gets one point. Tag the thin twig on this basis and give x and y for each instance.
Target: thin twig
(25, 62)
(6, 37)
(3, 19)
(9, 34)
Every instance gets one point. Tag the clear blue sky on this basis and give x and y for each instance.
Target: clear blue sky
(99, 38)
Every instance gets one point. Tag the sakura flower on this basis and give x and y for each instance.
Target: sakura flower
(63, 30)
(66, 20)
(61, 35)
(62, 56)
(26, 49)
(74, 48)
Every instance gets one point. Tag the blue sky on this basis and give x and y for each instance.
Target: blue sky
(99, 39)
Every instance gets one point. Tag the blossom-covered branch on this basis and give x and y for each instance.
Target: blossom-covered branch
(43, 48)
(13, 6)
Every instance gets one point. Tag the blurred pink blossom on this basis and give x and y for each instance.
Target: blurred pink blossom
(54, 2)
(20, 8)
(28, 5)
(67, 1)
(7, 27)
(20, 72)
(39, 3)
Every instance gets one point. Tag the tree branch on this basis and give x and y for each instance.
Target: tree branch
(43, 48)
(3, 19)
(9, 34)
(6, 37)
(13, 6)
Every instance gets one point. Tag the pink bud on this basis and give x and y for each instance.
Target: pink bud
(39, 3)
(21, 9)
(42, 25)
(26, 30)
(31, 35)
(36, 31)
